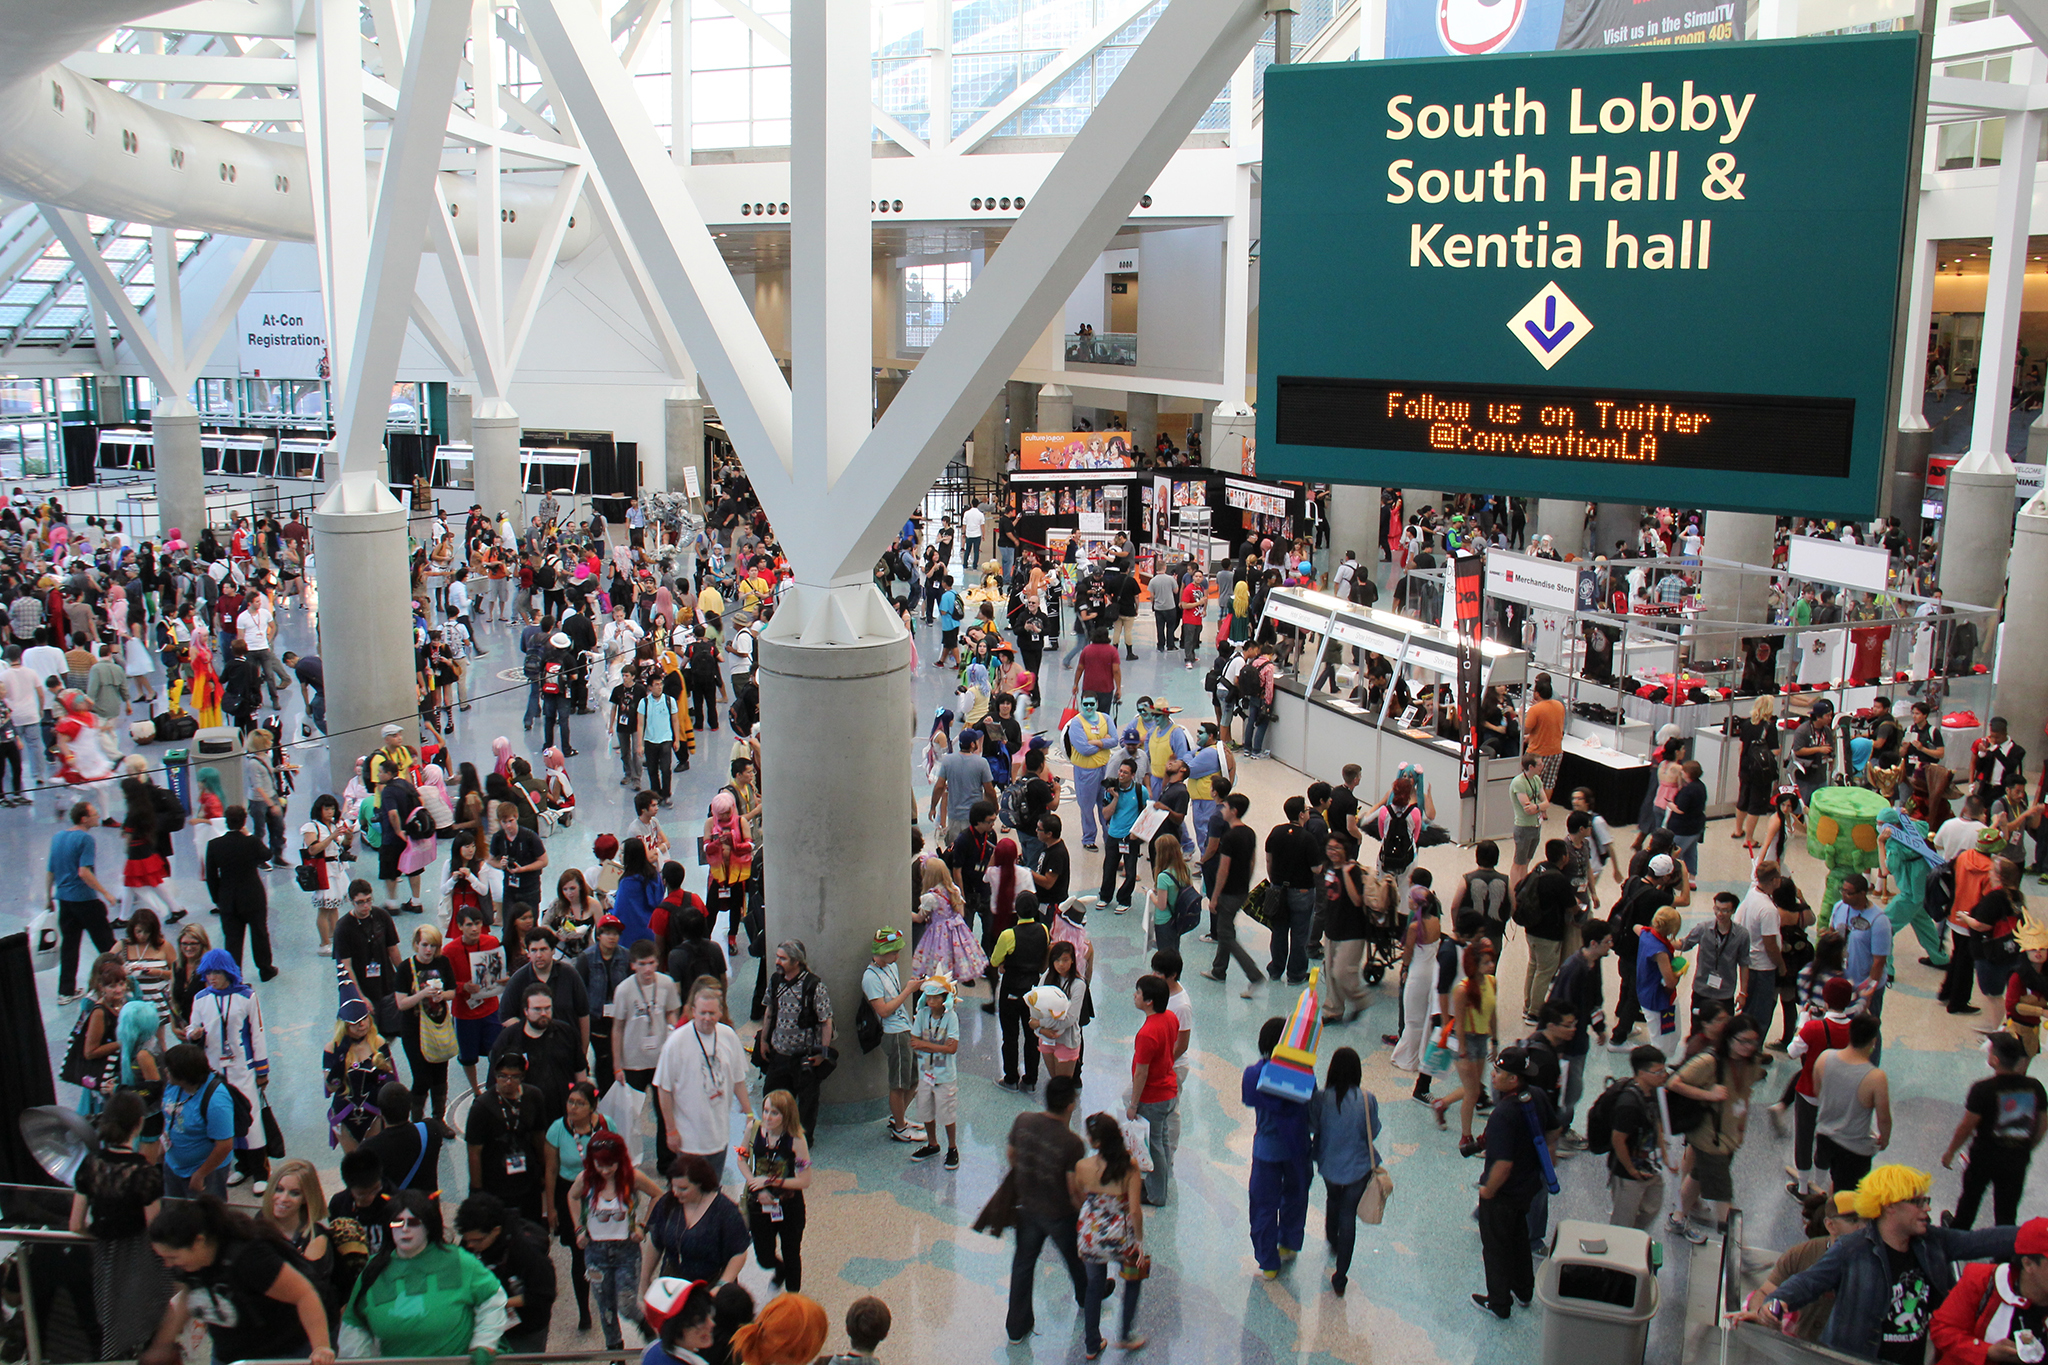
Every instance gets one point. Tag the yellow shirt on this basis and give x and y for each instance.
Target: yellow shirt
(1100, 758)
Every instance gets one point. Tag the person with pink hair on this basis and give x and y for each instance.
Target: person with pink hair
(561, 794)
(501, 748)
(729, 861)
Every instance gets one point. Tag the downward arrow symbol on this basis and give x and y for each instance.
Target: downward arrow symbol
(1550, 334)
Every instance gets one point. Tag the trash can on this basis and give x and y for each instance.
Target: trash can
(178, 776)
(1598, 1294)
(220, 747)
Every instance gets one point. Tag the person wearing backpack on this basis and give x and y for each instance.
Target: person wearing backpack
(1347, 891)
(1484, 889)
(1545, 908)
(1717, 1081)
(1176, 898)
(1577, 985)
(533, 644)
(1623, 1123)
(1397, 824)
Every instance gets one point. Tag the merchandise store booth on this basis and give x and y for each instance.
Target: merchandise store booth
(1318, 730)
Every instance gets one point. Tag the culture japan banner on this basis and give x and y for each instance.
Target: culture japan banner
(1052, 451)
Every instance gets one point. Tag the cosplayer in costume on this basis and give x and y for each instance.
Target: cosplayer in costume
(1089, 745)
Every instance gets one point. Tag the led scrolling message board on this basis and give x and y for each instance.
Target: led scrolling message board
(1807, 437)
(1654, 275)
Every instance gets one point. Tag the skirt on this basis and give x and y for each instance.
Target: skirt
(136, 660)
(131, 1288)
(949, 943)
(149, 871)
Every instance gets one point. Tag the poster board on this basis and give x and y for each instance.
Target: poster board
(1052, 451)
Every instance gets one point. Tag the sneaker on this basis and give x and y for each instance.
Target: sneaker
(905, 1134)
(1485, 1305)
(1571, 1141)
(325, 950)
(928, 1151)
(1683, 1227)
(1212, 976)
(953, 1159)
(259, 1188)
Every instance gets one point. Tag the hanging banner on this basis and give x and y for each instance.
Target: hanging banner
(1162, 508)
(1532, 581)
(282, 336)
(1059, 450)
(1468, 578)
(1249, 499)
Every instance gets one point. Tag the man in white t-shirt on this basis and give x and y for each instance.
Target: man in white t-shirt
(621, 636)
(889, 996)
(971, 523)
(26, 701)
(1758, 913)
(1959, 835)
(643, 1011)
(701, 1072)
(254, 626)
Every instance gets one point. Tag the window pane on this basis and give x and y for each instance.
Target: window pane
(771, 92)
(771, 133)
(719, 44)
(722, 135)
(716, 95)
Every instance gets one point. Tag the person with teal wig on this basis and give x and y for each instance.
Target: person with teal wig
(1911, 860)
(138, 1031)
(208, 820)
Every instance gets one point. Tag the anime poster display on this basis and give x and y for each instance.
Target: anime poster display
(1052, 451)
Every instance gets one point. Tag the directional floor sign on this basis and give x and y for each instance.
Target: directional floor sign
(1655, 275)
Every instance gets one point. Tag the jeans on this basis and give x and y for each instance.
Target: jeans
(1009, 558)
(971, 561)
(1115, 851)
(1289, 950)
(1033, 1232)
(660, 763)
(270, 671)
(1279, 1208)
(1340, 1219)
(1504, 1247)
(1574, 1086)
(1091, 1309)
(1688, 848)
(1255, 729)
(1539, 1221)
(1161, 1115)
(629, 762)
(615, 1272)
(76, 919)
(554, 711)
(1190, 639)
(180, 1186)
(532, 703)
(1080, 641)
(1166, 623)
(1227, 946)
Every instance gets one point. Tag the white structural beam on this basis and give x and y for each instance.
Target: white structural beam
(241, 109)
(690, 278)
(220, 315)
(831, 298)
(525, 306)
(185, 69)
(84, 249)
(439, 339)
(673, 354)
(978, 132)
(1171, 79)
(167, 304)
(330, 58)
(406, 201)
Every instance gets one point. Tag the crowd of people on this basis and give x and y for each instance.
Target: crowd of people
(577, 991)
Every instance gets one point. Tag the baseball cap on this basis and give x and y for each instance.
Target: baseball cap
(1661, 865)
(1515, 1061)
(1837, 993)
(2032, 1238)
(667, 1297)
(610, 922)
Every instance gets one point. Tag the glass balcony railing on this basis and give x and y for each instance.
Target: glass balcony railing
(1102, 348)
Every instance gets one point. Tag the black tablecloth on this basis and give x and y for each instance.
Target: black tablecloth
(1617, 792)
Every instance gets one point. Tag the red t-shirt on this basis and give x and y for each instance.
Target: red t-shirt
(457, 953)
(1098, 668)
(1154, 1049)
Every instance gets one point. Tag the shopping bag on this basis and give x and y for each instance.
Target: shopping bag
(44, 939)
(621, 1108)
(1138, 1140)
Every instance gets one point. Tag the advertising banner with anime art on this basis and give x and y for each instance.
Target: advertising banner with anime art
(1052, 451)
(1474, 28)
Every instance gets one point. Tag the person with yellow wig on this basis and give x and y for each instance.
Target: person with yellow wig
(1889, 1275)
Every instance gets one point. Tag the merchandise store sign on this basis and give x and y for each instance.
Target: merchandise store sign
(1535, 582)
(1555, 274)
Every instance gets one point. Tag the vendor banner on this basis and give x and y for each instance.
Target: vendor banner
(1052, 451)
(1473, 28)
(1246, 498)
(1469, 580)
(1531, 581)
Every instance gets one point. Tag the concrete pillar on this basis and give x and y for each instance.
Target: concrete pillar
(359, 550)
(113, 403)
(1142, 410)
(1747, 538)
(1976, 534)
(461, 409)
(1618, 521)
(1907, 481)
(1023, 399)
(985, 460)
(494, 436)
(836, 839)
(2037, 445)
(1055, 408)
(2023, 664)
(1562, 519)
(1222, 441)
(682, 429)
(180, 470)
(1355, 525)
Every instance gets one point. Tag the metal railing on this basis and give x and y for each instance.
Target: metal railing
(32, 1330)
(1102, 348)
(1749, 1343)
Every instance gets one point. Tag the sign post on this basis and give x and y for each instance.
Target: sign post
(1661, 275)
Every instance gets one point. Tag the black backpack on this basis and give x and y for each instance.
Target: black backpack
(1600, 1118)
(703, 658)
(1687, 1113)
(1187, 908)
(1527, 903)
(1397, 845)
(170, 811)
(1941, 893)
(536, 658)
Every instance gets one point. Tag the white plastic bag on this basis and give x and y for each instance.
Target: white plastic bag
(621, 1109)
(43, 939)
(1138, 1138)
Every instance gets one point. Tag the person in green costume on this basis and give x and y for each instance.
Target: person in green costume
(1909, 858)
(423, 1296)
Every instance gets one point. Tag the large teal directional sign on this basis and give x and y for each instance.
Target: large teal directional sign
(1661, 275)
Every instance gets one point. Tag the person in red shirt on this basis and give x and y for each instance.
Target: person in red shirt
(479, 966)
(1979, 1321)
(1155, 1091)
(1099, 672)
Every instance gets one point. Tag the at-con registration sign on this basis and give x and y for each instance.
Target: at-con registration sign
(1653, 275)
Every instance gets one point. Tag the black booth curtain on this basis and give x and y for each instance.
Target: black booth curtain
(25, 1078)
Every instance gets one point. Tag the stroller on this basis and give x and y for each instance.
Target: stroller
(1384, 927)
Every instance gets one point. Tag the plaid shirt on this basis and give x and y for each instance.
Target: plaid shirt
(1670, 589)
(25, 614)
